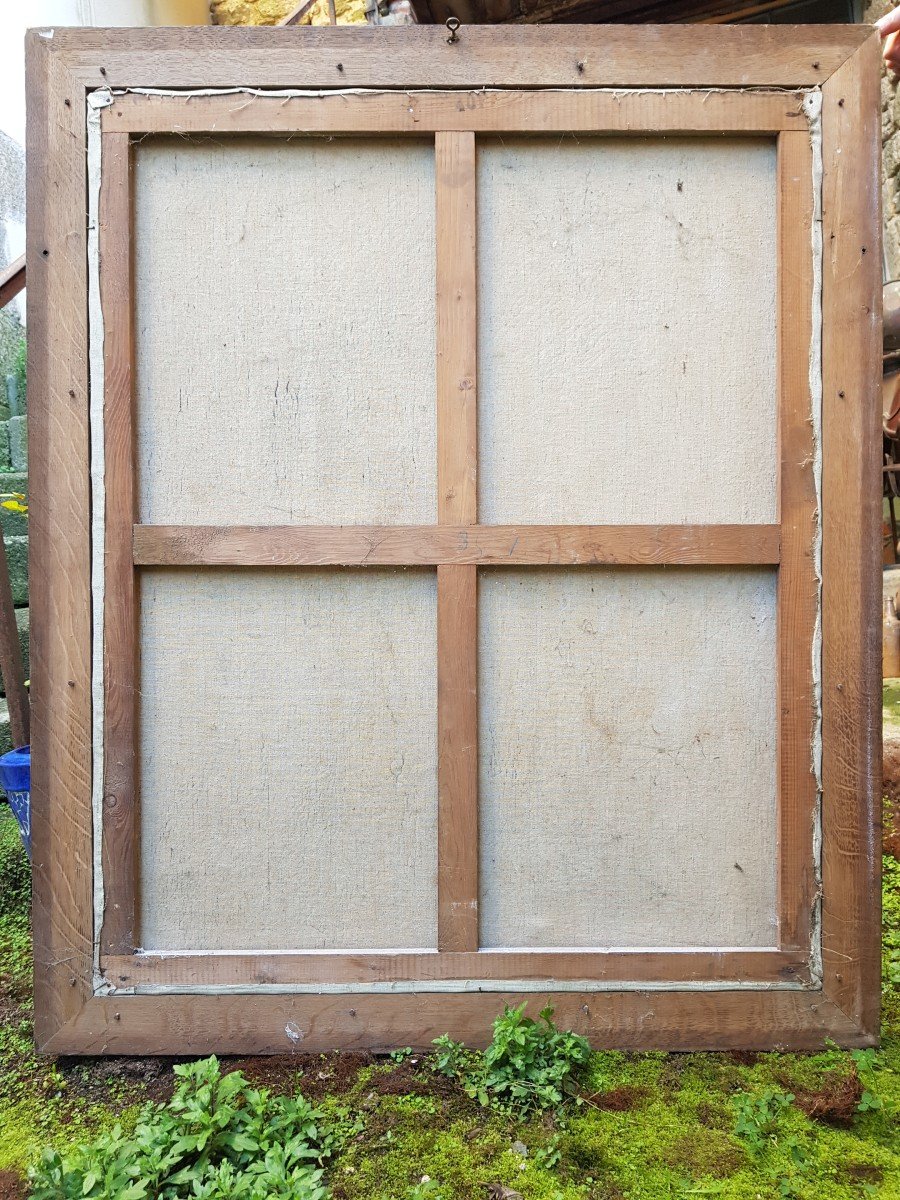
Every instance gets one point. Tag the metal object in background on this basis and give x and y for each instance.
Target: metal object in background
(15, 779)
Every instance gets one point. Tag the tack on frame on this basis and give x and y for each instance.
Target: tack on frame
(757, 73)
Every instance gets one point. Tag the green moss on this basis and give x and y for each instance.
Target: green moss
(890, 917)
(651, 1126)
(15, 873)
(15, 944)
(459, 1158)
(27, 1125)
(890, 702)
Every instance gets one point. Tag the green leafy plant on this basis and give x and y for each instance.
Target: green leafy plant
(217, 1139)
(800, 1160)
(866, 1062)
(548, 1156)
(528, 1065)
(426, 1189)
(757, 1116)
(891, 927)
(869, 1102)
(757, 1120)
(453, 1059)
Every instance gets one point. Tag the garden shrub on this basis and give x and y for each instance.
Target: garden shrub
(217, 1138)
(528, 1065)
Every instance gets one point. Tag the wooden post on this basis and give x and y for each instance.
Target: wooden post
(12, 281)
(457, 585)
(11, 660)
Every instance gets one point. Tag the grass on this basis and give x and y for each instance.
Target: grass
(890, 705)
(649, 1127)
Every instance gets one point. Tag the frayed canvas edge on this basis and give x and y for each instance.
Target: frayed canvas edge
(812, 103)
(319, 93)
(96, 102)
(103, 98)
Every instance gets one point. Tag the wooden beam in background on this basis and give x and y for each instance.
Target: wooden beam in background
(594, 12)
(12, 281)
(297, 15)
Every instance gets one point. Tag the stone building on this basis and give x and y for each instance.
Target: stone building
(12, 238)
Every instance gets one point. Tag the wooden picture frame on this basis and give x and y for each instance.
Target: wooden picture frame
(822, 980)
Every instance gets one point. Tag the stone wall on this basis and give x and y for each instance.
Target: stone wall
(890, 139)
(270, 12)
(12, 228)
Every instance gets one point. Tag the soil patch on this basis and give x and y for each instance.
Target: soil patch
(12, 1009)
(863, 1173)
(835, 1102)
(709, 1116)
(12, 1186)
(410, 1078)
(139, 1079)
(315, 1075)
(744, 1058)
(621, 1099)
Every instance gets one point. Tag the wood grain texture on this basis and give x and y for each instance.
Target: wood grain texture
(120, 598)
(457, 436)
(851, 537)
(457, 625)
(484, 545)
(418, 56)
(11, 660)
(457, 758)
(68, 1018)
(265, 1024)
(223, 970)
(797, 583)
(429, 111)
(12, 280)
(59, 567)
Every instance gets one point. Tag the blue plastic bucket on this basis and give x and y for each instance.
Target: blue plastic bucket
(15, 777)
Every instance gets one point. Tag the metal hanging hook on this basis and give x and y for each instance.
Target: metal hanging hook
(452, 24)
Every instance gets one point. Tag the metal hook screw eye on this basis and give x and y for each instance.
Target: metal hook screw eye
(452, 24)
